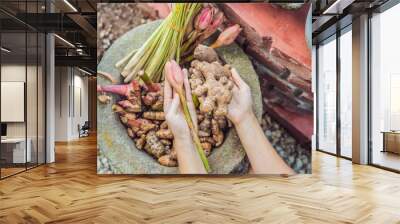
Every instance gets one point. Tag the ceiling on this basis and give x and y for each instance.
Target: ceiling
(74, 22)
(331, 15)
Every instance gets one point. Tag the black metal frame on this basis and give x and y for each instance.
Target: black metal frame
(338, 98)
(316, 97)
(369, 70)
(0, 89)
(44, 77)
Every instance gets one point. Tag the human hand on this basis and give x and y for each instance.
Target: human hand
(173, 110)
(240, 106)
(188, 158)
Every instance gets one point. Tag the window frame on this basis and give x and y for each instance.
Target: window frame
(381, 9)
(336, 38)
(26, 30)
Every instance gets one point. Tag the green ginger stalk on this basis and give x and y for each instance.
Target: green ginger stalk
(163, 45)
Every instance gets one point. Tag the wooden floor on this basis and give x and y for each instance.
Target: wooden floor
(69, 191)
(10, 171)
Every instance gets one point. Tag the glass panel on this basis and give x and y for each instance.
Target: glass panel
(385, 84)
(346, 94)
(23, 82)
(327, 96)
(31, 88)
(31, 99)
(13, 87)
(41, 99)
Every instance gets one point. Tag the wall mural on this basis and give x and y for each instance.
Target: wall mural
(194, 88)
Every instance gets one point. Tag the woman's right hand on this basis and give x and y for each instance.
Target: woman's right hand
(262, 156)
(240, 106)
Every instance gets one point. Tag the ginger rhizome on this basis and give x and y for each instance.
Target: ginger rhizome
(140, 108)
(211, 83)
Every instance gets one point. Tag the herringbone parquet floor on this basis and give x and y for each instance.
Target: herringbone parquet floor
(69, 191)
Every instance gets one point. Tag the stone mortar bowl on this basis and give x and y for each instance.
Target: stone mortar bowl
(112, 137)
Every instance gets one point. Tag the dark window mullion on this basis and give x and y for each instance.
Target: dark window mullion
(26, 87)
(317, 97)
(45, 93)
(73, 92)
(0, 95)
(37, 90)
(369, 100)
(338, 76)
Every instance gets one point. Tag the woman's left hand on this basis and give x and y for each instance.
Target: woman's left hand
(173, 110)
(188, 158)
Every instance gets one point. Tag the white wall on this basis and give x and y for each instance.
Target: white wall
(61, 103)
(70, 83)
(16, 73)
(80, 110)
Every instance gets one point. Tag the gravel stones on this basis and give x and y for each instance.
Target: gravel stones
(286, 146)
(103, 164)
(115, 19)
